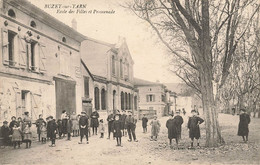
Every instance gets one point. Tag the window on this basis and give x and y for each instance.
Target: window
(150, 98)
(113, 65)
(33, 24)
(12, 38)
(114, 99)
(103, 99)
(128, 71)
(11, 13)
(163, 98)
(33, 59)
(26, 100)
(135, 102)
(126, 101)
(121, 68)
(96, 98)
(122, 101)
(86, 87)
(64, 39)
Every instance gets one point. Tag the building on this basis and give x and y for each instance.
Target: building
(40, 68)
(111, 70)
(153, 96)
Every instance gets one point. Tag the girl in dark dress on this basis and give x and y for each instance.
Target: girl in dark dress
(193, 126)
(117, 130)
(244, 120)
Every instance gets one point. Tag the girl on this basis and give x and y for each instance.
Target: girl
(117, 130)
(27, 135)
(101, 128)
(17, 136)
(44, 132)
(155, 128)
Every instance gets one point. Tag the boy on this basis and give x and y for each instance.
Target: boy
(144, 123)
(83, 126)
(178, 121)
(69, 128)
(5, 132)
(193, 126)
(170, 127)
(110, 120)
(117, 130)
(51, 129)
(123, 117)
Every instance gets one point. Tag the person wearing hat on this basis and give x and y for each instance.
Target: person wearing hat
(130, 126)
(122, 119)
(39, 122)
(171, 129)
(193, 126)
(155, 128)
(110, 119)
(83, 126)
(64, 119)
(178, 121)
(11, 125)
(244, 120)
(144, 123)
(5, 133)
(117, 130)
(94, 121)
(51, 130)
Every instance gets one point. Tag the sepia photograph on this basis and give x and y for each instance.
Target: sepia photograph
(133, 82)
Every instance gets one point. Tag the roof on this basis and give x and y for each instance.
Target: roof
(37, 13)
(141, 82)
(85, 66)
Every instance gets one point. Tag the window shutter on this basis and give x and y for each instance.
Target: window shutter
(42, 56)
(18, 100)
(35, 105)
(22, 52)
(147, 98)
(5, 46)
(29, 56)
(153, 98)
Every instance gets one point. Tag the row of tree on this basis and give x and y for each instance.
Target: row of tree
(213, 48)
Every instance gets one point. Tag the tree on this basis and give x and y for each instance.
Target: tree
(203, 35)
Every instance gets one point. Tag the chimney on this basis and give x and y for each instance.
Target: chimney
(74, 24)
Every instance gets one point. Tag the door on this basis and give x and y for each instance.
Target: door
(87, 107)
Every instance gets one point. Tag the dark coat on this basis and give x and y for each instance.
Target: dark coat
(11, 125)
(94, 119)
(193, 125)
(178, 121)
(51, 128)
(244, 120)
(83, 121)
(171, 128)
(39, 123)
(122, 120)
(69, 126)
(5, 132)
(144, 122)
(117, 128)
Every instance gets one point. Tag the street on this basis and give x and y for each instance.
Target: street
(104, 151)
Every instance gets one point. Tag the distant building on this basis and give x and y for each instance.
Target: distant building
(40, 68)
(111, 67)
(153, 96)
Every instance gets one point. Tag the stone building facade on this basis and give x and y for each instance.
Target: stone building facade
(40, 69)
(153, 96)
(111, 66)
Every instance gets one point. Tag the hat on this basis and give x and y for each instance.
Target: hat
(83, 112)
(26, 113)
(5, 122)
(13, 117)
(171, 114)
(50, 117)
(242, 109)
(193, 110)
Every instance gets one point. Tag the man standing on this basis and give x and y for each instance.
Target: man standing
(83, 126)
(94, 121)
(64, 119)
(110, 120)
(178, 121)
(39, 123)
(130, 126)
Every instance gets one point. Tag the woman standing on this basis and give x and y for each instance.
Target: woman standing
(244, 120)
(94, 121)
(75, 124)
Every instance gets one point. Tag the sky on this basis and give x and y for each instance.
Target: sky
(150, 61)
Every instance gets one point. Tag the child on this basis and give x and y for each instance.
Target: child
(123, 127)
(193, 126)
(178, 121)
(27, 135)
(244, 120)
(155, 128)
(171, 128)
(5, 132)
(43, 132)
(51, 129)
(69, 127)
(101, 128)
(144, 123)
(59, 128)
(16, 136)
(117, 130)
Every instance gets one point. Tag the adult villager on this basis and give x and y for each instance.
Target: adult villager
(94, 121)
(122, 119)
(75, 124)
(110, 120)
(51, 130)
(244, 120)
(193, 126)
(64, 119)
(155, 128)
(83, 125)
(27, 119)
(39, 122)
(130, 126)
(171, 129)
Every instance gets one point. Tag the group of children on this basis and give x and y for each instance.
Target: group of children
(174, 125)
